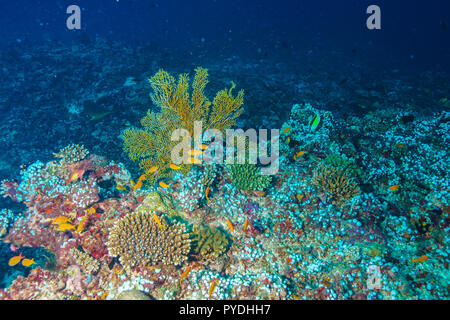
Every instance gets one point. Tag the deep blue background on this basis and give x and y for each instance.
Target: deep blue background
(412, 30)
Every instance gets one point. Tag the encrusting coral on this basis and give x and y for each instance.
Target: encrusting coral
(87, 263)
(72, 153)
(209, 242)
(138, 240)
(336, 184)
(152, 145)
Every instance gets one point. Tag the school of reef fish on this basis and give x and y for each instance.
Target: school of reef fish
(359, 209)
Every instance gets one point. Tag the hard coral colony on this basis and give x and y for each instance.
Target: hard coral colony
(328, 225)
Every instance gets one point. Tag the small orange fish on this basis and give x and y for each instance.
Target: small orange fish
(288, 140)
(204, 146)
(15, 260)
(152, 169)
(28, 262)
(61, 220)
(82, 224)
(138, 185)
(399, 145)
(230, 226)
(174, 167)
(394, 187)
(65, 227)
(420, 259)
(185, 273)
(77, 174)
(155, 216)
(260, 193)
(194, 161)
(211, 288)
(299, 197)
(245, 224)
(164, 185)
(195, 152)
(48, 210)
(120, 187)
(299, 154)
(286, 130)
(206, 193)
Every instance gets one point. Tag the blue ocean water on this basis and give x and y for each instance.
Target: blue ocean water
(381, 99)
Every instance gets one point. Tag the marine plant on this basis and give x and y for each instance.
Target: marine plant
(139, 240)
(151, 145)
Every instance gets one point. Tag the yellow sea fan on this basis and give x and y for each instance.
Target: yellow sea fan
(152, 144)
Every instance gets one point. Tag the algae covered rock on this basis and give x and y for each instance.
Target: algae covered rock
(209, 242)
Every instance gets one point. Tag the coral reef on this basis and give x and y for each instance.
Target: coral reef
(138, 240)
(72, 153)
(247, 177)
(335, 183)
(152, 145)
(208, 242)
(87, 263)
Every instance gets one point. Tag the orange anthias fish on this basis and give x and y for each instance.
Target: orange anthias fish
(420, 259)
(299, 197)
(203, 146)
(120, 187)
(155, 216)
(286, 130)
(61, 220)
(77, 174)
(194, 161)
(82, 224)
(394, 187)
(195, 152)
(15, 260)
(152, 169)
(65, 227)
(185, 273)
(28, 262)
(260, 193)
(206, 193)
(299, 154)
(211, 288)
(230, 226)
(288, 140)
(174, 166)
(164, 185)
(245, 224)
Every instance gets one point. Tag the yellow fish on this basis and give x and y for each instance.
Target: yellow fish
(206, 193)
(286, 130)
(195, 152)
(120, 187)
(194, 161)
(28, 262)
(230, 226)
(299, 197)
(245, 224)
(152, 169)
(174, 167)
(61, 220)
(288, 140)
(15, 260)
(65, 227)
(299, 154)
(162, 184)
(211, 288)
(204, 146)
(82, 224)
(155, 216)
(185, 273)
(394, 187)
(138, 185)
(91, 210)
(420, 259)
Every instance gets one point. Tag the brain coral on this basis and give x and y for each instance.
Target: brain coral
(139, 241)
